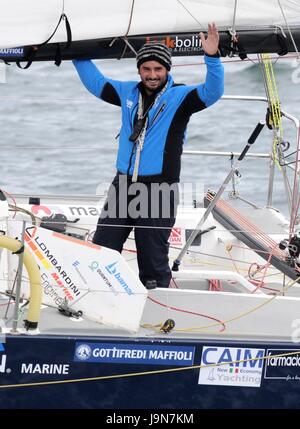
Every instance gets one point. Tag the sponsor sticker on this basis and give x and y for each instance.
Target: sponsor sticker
(231, 366)
(45, 368)
(2, 72)
(283, 364)
(2, 360)
(129, 103)
(114, 271)
(134, 354)
(11, 52)
(76, 265)
(50, 262)
(95, 267)
(175, 236)
(180, 44)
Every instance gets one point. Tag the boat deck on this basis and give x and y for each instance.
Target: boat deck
(197, 310)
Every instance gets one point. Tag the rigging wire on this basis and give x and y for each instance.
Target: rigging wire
(289, 30)
(130, 18)
(232, 30)
(189, 12)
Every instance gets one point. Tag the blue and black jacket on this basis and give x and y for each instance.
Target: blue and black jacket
(161, 155)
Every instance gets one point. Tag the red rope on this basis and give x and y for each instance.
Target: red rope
(249, 226)
(215, 285)
(189, 312)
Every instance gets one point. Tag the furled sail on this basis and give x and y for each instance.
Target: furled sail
(94, 24)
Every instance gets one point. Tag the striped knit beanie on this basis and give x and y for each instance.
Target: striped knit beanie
(154, 52)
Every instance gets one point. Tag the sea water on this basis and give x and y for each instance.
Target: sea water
(57, 138)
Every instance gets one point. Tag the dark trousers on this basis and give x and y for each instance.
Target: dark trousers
(151, 212)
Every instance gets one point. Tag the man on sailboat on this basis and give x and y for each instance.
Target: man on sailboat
(155, 114)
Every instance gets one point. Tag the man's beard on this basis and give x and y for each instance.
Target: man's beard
(158, 88)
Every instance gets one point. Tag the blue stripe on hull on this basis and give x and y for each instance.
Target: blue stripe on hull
(28, 360)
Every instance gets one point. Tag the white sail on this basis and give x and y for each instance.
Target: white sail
(33, 21)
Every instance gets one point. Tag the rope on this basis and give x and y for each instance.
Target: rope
(228, 249)
(169, 307)
(275, 110)
(130, 18)
(238, 316)
(34, 49)
(248, 226)
(274, 104)
(138, 374)
(261, 282)
(243, 314)
(141, 138)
